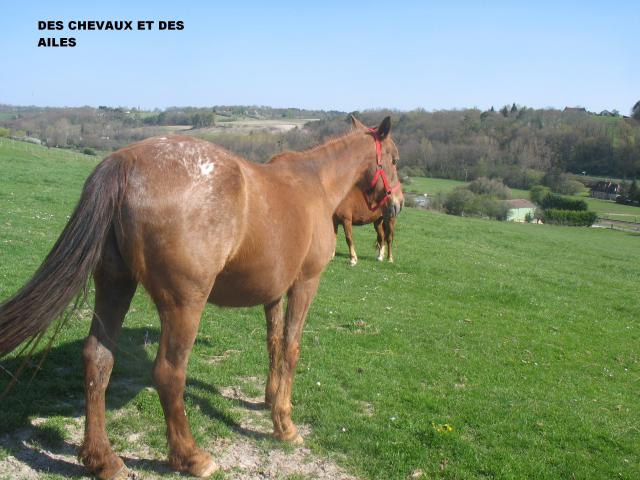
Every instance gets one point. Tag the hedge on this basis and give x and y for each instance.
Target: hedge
(558, 202)
(569, 217)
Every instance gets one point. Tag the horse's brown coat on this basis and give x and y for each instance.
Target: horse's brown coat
(353, 210)
(195, 224)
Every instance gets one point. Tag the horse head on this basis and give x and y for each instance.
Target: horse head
(380, 184)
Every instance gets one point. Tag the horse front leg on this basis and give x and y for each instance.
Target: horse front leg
(348, 235)
(377, 224)
(389, 229)
(179, 326)
(275, 332)
(336, 222)
(300, 296)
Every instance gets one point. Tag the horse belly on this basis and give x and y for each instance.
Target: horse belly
(250, 285)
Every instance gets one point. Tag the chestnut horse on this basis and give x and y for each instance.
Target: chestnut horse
(194, 223)
(354, 210)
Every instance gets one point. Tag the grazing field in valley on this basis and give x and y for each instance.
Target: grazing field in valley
(488, 350)
(604, 208)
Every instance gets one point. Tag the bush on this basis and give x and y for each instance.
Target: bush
(437, 201)
(569, 217)
(486, 206)
(493, 188)
(458, 202)
(538, 193)
(5, 132)
(410, 171)
(89, 151)
(562, 183)
(464, 202)
(559, 202)
(523, 178)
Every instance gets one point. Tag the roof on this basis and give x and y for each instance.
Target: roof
(519, 203)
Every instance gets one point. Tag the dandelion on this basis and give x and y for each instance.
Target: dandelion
(442, 429)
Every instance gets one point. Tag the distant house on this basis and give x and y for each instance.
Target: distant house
(518, 210)
(606, 190)
(575, 109)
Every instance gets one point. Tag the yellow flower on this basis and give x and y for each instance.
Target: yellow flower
(444, 428)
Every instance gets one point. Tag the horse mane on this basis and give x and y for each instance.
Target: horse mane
(291, 154)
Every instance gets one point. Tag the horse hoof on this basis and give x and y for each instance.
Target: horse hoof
(353, 262)
(208, 470)
(103, 466)
(391, 260)
(293, 438)
(123, 474)
(199, 464)
(381, 259)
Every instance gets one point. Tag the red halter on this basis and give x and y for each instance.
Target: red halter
(380, 173)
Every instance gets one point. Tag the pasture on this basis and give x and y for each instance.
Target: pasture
(488, 350)
(604, 208)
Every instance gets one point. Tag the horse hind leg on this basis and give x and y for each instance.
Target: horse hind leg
(114, 287)
(179, 319)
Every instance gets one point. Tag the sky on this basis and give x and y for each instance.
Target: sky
(328, 54)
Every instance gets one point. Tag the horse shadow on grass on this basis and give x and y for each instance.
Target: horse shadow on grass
(28, 413)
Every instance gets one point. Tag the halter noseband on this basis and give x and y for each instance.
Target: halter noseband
(380, 173)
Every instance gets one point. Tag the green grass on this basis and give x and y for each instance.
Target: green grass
(435, 185)
(605, 208)
(431, 185)
(522, 338)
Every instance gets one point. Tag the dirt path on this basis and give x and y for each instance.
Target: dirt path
(241, 456)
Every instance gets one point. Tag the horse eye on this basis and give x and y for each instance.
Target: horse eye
(394, 160)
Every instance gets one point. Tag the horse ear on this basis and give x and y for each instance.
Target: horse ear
(355, 123)
(385, 128)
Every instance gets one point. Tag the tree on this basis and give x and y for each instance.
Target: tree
(633, 193)
(635, 111)
(504, 111)
(514, 109)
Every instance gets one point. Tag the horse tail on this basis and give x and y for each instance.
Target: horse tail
(65, 272)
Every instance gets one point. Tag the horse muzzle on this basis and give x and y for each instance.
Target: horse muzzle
(393, 207)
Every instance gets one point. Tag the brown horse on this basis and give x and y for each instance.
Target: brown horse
(195, 224)
(354, 210)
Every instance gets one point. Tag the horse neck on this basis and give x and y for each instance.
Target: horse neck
(339, 164)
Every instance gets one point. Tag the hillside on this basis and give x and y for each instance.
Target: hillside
(484, 342)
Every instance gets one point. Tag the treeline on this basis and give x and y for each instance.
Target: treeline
(108, 128)
(520, 145)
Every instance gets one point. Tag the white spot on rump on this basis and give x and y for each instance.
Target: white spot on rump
(206, 168)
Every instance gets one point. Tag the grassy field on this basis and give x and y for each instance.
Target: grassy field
(604, 208)
(435, 185)
(488, 350)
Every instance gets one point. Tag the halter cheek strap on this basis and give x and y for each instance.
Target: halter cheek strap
(380, 173)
